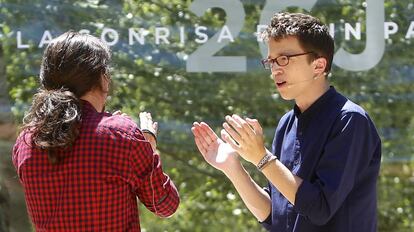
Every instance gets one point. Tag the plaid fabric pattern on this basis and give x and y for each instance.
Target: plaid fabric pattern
(96, 184)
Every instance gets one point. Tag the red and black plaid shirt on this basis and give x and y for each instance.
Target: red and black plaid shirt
(95, 185)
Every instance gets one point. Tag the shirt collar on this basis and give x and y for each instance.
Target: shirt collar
(316, 106)
(87, 106)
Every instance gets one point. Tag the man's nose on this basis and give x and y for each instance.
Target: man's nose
(276, 70)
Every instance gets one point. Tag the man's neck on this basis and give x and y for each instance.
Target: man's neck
(96, 99)
(311, 96)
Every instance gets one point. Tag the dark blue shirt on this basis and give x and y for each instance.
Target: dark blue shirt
(334, 147)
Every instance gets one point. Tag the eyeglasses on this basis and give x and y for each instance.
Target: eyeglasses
(282, 60)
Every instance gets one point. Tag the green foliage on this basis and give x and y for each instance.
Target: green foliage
(396, 209)
(152, 77)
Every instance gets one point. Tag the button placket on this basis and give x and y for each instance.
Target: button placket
(296, 159)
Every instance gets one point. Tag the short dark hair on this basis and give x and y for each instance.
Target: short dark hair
(72, 65)
(312, 34)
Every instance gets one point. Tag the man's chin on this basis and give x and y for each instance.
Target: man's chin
(286, 97)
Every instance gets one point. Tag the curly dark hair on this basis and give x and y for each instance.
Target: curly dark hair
(312, 34)
(72, 65)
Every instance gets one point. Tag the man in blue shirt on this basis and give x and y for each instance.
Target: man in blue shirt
(326, 152)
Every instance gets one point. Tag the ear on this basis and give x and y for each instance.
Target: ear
(105, 83)
(320, 65)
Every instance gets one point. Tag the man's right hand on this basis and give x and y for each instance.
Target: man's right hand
(147, 124)
(223, 157)
(217, 153)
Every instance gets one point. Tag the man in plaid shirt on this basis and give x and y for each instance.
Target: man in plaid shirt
(82, 169)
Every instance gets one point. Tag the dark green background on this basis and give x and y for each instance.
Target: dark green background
(176, 98)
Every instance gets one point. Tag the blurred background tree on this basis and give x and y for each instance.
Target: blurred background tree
(153, 77)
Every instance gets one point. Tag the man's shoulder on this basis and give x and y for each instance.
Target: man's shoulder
(118, 123)
(345, 106)
(353, 115)
(351, 108)
(344, 113)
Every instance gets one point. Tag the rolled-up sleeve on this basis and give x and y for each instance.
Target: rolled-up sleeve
(153, 187)
(344, 156)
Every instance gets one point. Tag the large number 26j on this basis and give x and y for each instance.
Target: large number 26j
(203, 59)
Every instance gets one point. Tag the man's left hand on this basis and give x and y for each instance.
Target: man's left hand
(245, 136)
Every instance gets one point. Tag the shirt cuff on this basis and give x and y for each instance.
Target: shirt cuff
(168, 203)
(307, 194)
(267, 223)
